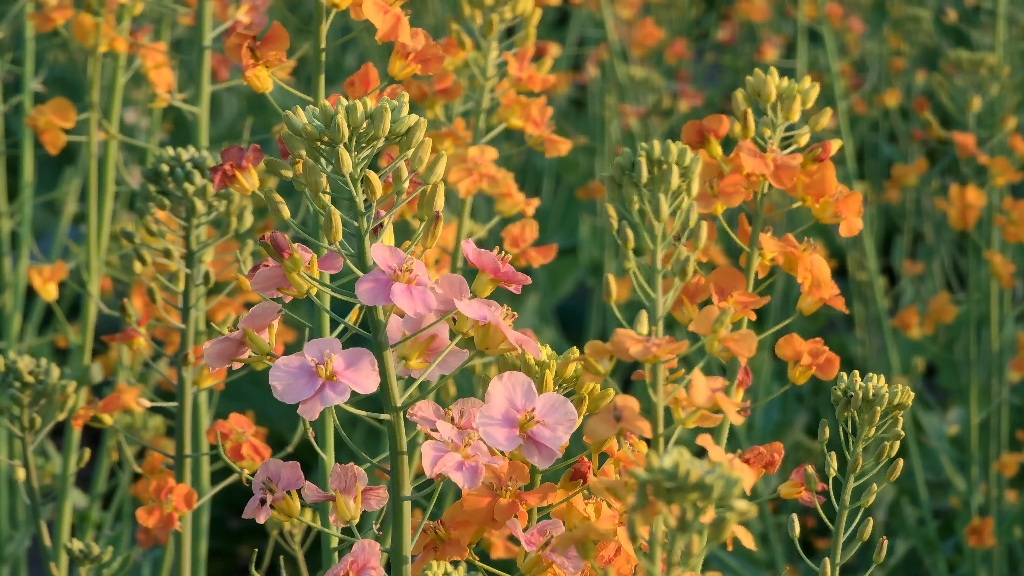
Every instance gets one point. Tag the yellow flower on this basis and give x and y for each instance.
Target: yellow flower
(46, 279)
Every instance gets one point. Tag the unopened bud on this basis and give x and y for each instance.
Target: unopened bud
(865, 529)
(869, 495)
(748, 125)
(434, 169)
(431, 200)
(342, 161)
(420, 155)
(278, 207)
(793, 110)
(819, 121)
(611, 288)
(372, 186)
(332, 226)
(739, 103)
(339, 131)
(823, 431)
(84, 456)
(809, 95)
(825, 569)
(894, 470)
(413, 136)
(810, 479)
(642, 323)
(380, 121)
(433, 233)
(292, 122)
(880, 550)
(793, 526)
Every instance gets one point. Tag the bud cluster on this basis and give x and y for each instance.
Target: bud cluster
(90, 554)
(32, 392)
(687, 490)
(782, 100)
(494, 17)
(561, 373)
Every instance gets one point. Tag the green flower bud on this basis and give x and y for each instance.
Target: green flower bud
(342, 161)
(279, 168)
(355, 114)
(278, 207)
(880, 550)
(332, 226)
(642, 324)
(420, 155)
(431, 200)
(339, 131)
(296, 147)
(894, 470)
(413, 135)
(823, 431)
(380, 122)
(793, 526)
(825, 569)
(293, 123)
(869, 495)
(434, 169)
(372, 186)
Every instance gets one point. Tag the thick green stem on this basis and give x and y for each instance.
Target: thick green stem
(26, 177)
(324, 425)
(101, 476)
(491, 56)
(6, 283)
(839, 531)
(400, 471)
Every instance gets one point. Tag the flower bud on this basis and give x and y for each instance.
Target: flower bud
(339, 131)
(279, 168)
(610, 288)
(434, 169)
(380, 121)
(342, 161)
(642, 324)
(278, 207)
(433, 233)
(823, 431)
(431, 200)
(293, 123)
(355, 114)
(894, 470)
(869, 495)
(825, 569)
(294, 144)
(793, 109)
(810, 479)
(880, 550)
(420, 155)
(819, 121)
(414, 135)
(865, 529)
(332, 226)
(739, 103)
(809, 95)
(372, 186)
(626, 237)
(748, 125)
(793, 526)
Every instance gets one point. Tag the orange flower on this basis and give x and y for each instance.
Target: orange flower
(621, 415)
(87, 30)
(50, 121)
(966, 144)
(963, 206)
(816, 285)
(719, 191)
(170, 502)
(678, 50)
(156, 65)
(645, 36)
(362, 82)
(593, 190)
(720, 341)
(911, 268)
(472, 169)
(443, 540)
(728, 290)
(764, 459)
(807, 358)
(526, 75)
(1002, 173)
(1008, 464)
(629, 346)
(908, 321)
(779, 169)
(500, 497)
(49, 15)
(691, 295)
(940, 310)
(748, 476)
(598, 360)
(260, 59)
(1012, 223)
(46, 278)
(518, 239)
(703, 403)
(1015, 370)
(422, 56)
(701, 134)
(242, 439)
(1001, 268)
(391, 22)
(980, 533)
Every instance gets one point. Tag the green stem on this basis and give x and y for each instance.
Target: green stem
(6, 283)
(26, 176)
(101, 476)
(491, 55)
(34, 498)
(400, 478)
(842, 512)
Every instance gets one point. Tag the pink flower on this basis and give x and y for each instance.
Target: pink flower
(491, 326)
(273, 491)
(494, 271)
(451, 288)
(349, 493)
(362, 560)
(237, 169)
(538, 540)
(280, 275)
(514, 416)
(462, 415)
(419, 352)
(457, 454)
(253, 331)
(323, 375)
(399, 279)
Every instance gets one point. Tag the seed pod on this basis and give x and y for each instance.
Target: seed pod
(372, 186)
(865, 529)
(434, 169)
(420, 155)
(278, 207)
(332, 226)
(793, 527)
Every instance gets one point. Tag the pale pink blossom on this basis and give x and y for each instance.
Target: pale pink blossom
(457, 454)
(225, 350)
(273, 491)
(492, 328)
(362, 560)
(419, 352)
(451, 288)
(538, 540)
(349, 494)
(399, 279)
(323, 375)
(286, 261)
(514, 416)
(494, 270)
(461, 414)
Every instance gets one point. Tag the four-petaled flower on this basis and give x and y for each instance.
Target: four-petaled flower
(807, 358)
(457, 454)
(274, 492)
(256, 333)
(50, 121)
(430, 345)
(514, 417)
(362, 560)
(349, 494)
(323, 375)
(237, 169)
(494, 270)
(537, 541)
(399, 279)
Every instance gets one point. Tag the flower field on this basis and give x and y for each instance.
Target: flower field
(511, 287)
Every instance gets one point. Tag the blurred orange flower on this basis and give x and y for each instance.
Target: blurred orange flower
(243, 441)
(807, 358)
(46, 278)
(50, 121)
(980, 533)
(260, 59)
(518, 240)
